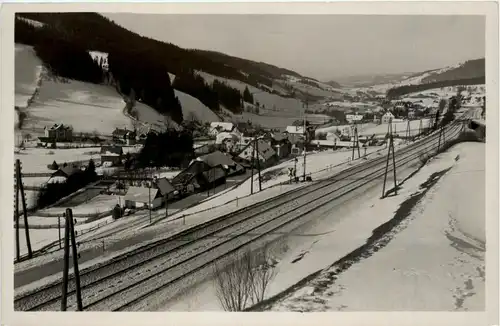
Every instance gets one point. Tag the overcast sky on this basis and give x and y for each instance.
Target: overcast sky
(324, 47)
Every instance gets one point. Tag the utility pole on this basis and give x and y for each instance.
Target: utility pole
(149, 203)
(20, 192)
(305, 137)
(18, 249)
(420, 129)
(408, 131)
(252, 163)
(166, 205)
(258, 161)
(69, 232)
(388, 128)
(355, 141)
(439, 140)
(391, 147)
(59, 229)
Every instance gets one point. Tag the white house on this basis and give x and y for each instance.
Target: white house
(353, 117)
(332, 136)
(218, 127)
(295, 129)
(265, 154)
(387, 117)
(137, 197)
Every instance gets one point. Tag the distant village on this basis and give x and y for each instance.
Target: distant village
(228, 149)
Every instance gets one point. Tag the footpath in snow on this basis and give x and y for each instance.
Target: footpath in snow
(433, 260)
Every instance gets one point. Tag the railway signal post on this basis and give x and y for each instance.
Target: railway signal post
(391, 148)
(69, 233)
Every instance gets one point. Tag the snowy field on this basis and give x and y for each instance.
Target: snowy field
(28, 68)
(36, 160)
(86, 107)
(285, 105)
(435, 260)
(95, 205)
(191, 106)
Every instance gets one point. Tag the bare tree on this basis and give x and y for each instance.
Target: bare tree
(244, 282)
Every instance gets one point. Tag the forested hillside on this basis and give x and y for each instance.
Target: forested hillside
(138, 65)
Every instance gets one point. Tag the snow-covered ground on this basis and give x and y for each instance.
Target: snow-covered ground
(270, 101)
(368, 129)
(43, 237)
(28, 68)
(435, 260)
(86, 107)
(96, 205)
(191, 106)
(421, 269)
(36, 160)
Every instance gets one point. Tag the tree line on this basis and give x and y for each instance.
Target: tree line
(169, 148)
(96, 32)
(212, 95)
(136, 72)
(52, 192)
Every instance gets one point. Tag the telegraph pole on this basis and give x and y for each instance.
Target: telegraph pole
(69, 232)
(305, 137)
(149, 203)
(18, 249)
(20, 192)
(258, 161)
(252, 163)
(355, 141)
(391, 147)
(408, 130)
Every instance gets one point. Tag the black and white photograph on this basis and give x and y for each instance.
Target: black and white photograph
(259, 162)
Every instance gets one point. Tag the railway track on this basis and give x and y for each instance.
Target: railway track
(190, 251)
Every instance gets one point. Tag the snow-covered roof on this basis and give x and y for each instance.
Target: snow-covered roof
(140, 194)
(224, 126)
(295, 129)
(111, 150)
(164, 186)
(225, 135)
(217, 158)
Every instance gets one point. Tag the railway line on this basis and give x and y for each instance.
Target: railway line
(125, 282)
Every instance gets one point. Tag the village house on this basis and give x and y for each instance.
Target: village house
(59, 133)
(281, 145)
(218, 127)
(332, 136)
(111, 155)
(143, 197)
(295, 130)
(123, 135)
(227, 141)
(166, 189)
(353, 117)
(218, 158)
(199, 176)
(263, 152)
(63, 173)
(387, 117)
